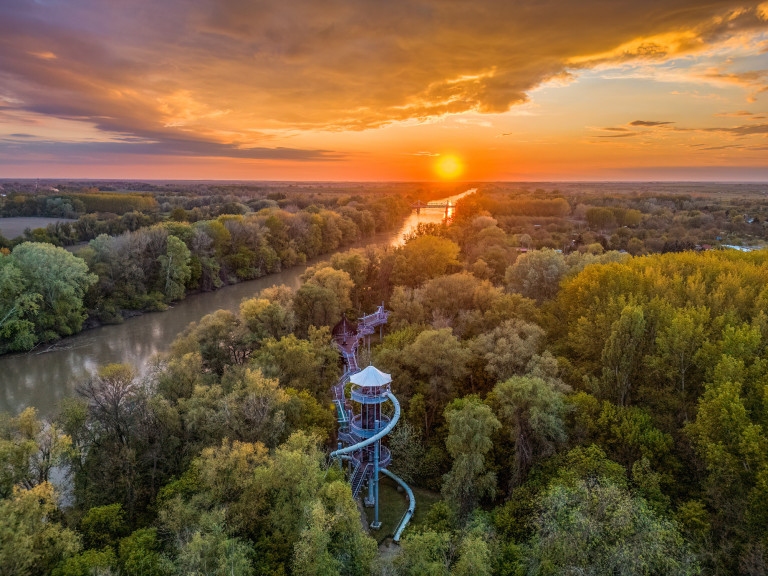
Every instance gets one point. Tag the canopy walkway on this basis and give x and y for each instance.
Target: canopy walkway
(362, 433)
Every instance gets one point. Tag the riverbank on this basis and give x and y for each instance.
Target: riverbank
(43, 379)
(93, 322)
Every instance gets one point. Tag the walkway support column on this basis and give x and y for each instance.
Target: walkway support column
(369, 501)
(376, 524)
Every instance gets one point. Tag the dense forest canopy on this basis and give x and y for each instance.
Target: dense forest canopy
(585, 394)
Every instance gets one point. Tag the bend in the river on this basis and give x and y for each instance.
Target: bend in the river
(42, 379)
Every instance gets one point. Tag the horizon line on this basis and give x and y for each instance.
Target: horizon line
(446, 182)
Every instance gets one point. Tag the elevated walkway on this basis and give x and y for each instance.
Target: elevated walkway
(352, 433)
(358, 477)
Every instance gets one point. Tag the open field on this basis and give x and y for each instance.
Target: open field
(13, 227)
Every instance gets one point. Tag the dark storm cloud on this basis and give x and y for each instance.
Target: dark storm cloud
(219, 77)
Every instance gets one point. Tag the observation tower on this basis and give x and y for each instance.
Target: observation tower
(366, 417)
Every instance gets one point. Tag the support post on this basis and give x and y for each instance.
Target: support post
(340, 466)
(369, 501)
(376, 524)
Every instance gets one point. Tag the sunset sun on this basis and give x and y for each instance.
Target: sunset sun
(448, 167)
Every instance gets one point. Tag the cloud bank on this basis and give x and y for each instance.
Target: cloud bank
(223, 78)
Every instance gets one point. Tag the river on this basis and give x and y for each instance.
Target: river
(41, 379)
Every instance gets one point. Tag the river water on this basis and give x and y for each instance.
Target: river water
(41, 379)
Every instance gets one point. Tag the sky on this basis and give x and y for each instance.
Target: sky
(362, 90)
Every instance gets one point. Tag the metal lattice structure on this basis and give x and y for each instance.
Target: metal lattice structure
(363, 419)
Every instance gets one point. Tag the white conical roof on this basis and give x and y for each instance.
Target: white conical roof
(370, 376)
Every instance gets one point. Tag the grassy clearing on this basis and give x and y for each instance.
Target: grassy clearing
(393, 505)
(13, 227)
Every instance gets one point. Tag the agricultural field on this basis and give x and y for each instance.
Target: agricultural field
(14, 227)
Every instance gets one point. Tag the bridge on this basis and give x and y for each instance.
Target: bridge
(419, 206)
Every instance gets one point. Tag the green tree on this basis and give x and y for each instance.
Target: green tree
(596, 527)
(103, 526)
(600, 218)
(590, 464)
(677, 344)
(139, 555)
(174, 269)
(210, 550)
(460, 301)
(18, 308)
(425, 553)
(126, 442)
(226, 470)
(532, 409)
(337, 281)
(333, 541)
(311, 555)
(357, 265)
(475, 556)
(422, 258)
(310, 365)
(31, 540)
(219, 338)
(246, 406)
(537, 274)
(323, 298)
(272, 509)
(623, 353)
(266, 319)
(471, 425)
(627, 433)
(407, 452)
(733, 445)
(89, 563)
(509, 348)
(438, 358)
(59, 278)
(29, 450)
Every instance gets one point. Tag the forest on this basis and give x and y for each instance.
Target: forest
(146, 246)
(141, 252)
(583, 381)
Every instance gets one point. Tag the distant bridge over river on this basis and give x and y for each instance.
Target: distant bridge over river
(449, 206)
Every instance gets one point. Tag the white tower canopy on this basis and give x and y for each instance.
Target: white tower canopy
(370, 377)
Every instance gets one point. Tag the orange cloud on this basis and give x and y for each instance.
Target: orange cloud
(254, 79)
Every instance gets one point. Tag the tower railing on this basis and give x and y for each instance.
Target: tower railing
(362, 397)
(356, 426)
